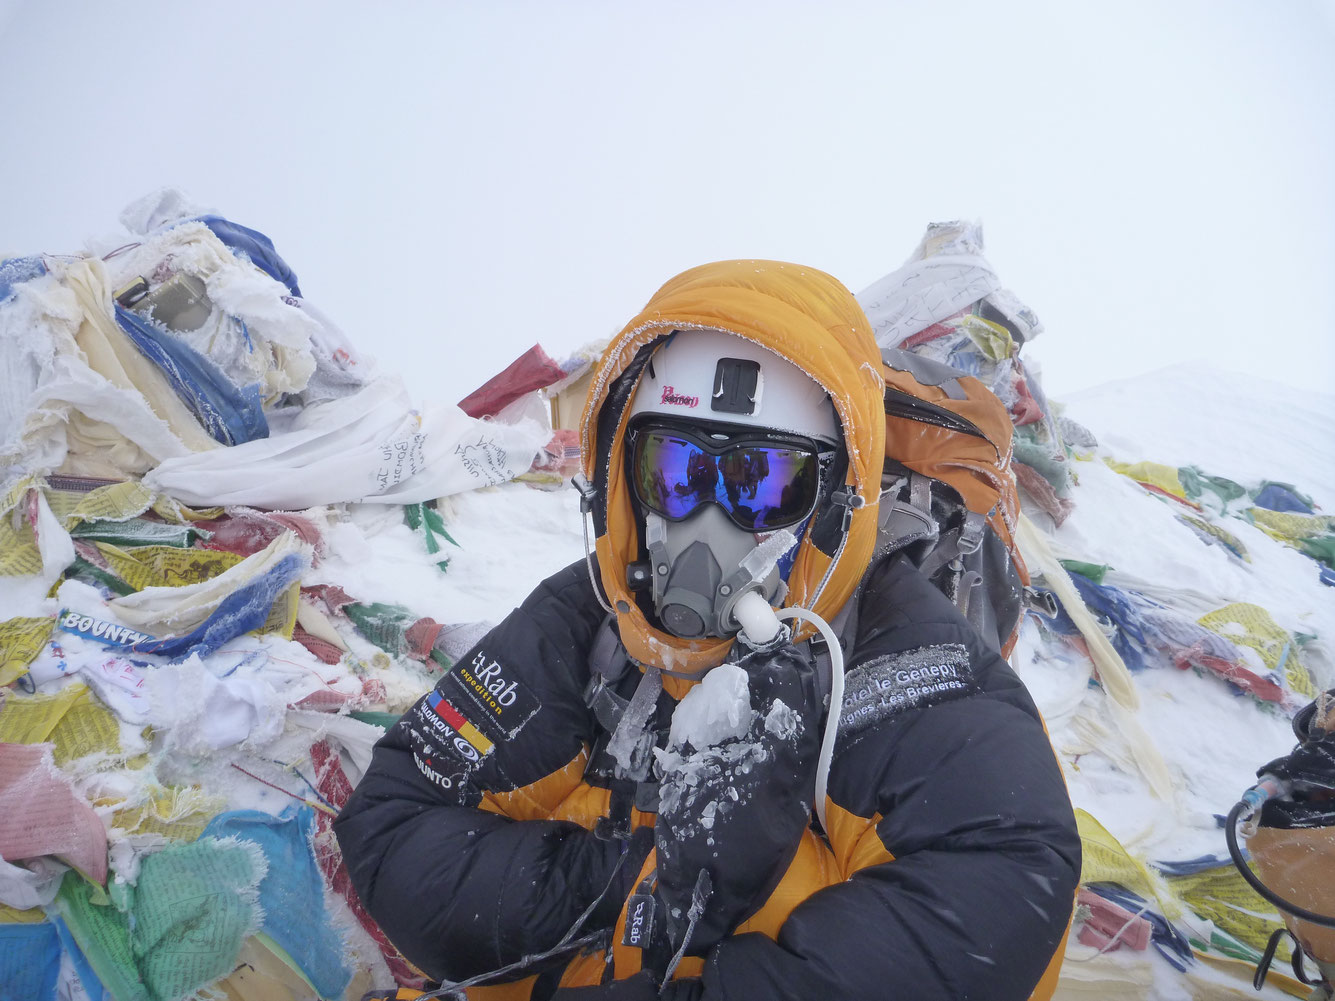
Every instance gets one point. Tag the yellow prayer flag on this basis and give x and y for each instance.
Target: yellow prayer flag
(166, 566)
(1244, 624)
(1222, 896)
(113, 502)
(1104, 860)
(1154, 473)
(21, 640)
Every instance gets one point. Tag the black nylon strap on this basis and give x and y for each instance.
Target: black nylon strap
(616, 825)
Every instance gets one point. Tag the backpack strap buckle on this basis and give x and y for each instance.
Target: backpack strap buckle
(971, 533)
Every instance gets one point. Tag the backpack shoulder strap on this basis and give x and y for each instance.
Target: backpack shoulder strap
(629, 738)
(903, 521)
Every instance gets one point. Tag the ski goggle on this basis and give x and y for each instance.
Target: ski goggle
(763, 482)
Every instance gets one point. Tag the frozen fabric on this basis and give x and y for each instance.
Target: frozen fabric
(930, 287)
(66, 390)
(395, 629)
(946, 304)
(33, 884)
(29, 962)
(111, 353)
(291, 895)
(1214, 492)
(246, 532)
(174, 610)
(158, 209)
(21, 640)
(1214, 535)
(945, 274)
(118, 682)
(92, 986)
(230, 414)
(531, 370)
(74, 722)
(33, 542)
(40, 814)
(17, 270)
(339, 368)
(370, 446)
(253, 246)
(178, 929)
(1282, 497)
(205, 713)
(1119, 609)
(138, 532)
(243, 320)
(335, 787)
(244, 610)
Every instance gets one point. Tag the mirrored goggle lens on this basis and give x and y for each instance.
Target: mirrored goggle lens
(762, 487)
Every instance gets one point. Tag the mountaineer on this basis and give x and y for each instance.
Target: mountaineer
(631, 787)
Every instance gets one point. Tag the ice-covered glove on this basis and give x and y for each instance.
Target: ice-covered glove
(736, 782)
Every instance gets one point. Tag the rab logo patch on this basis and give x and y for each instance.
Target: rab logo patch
(892, 684)
(639, 920)
(497, 703)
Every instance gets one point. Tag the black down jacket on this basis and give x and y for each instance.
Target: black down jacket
(493, 817)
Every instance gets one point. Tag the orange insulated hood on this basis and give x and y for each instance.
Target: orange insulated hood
(809, 319)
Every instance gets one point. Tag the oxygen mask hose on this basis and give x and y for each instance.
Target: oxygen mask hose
(760, 626)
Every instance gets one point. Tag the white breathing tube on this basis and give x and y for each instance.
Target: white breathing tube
(760, 623)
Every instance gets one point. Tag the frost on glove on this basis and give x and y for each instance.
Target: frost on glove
(736, 783)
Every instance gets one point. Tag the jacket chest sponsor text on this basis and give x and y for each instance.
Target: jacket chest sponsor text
(897, 682)
(489, 696)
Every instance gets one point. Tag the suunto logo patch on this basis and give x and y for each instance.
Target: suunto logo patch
(427, 767)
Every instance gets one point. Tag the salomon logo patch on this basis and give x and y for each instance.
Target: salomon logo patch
(449, 723)
(897, 682)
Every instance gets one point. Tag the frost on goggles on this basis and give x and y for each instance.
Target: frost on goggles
(763, 483)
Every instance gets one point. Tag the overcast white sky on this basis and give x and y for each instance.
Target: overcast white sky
(453, 182)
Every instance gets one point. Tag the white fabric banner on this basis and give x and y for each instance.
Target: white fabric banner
(371, 446)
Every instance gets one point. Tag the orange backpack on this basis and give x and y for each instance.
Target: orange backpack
(948, 494)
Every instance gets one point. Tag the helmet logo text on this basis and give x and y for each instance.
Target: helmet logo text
(672, 397)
